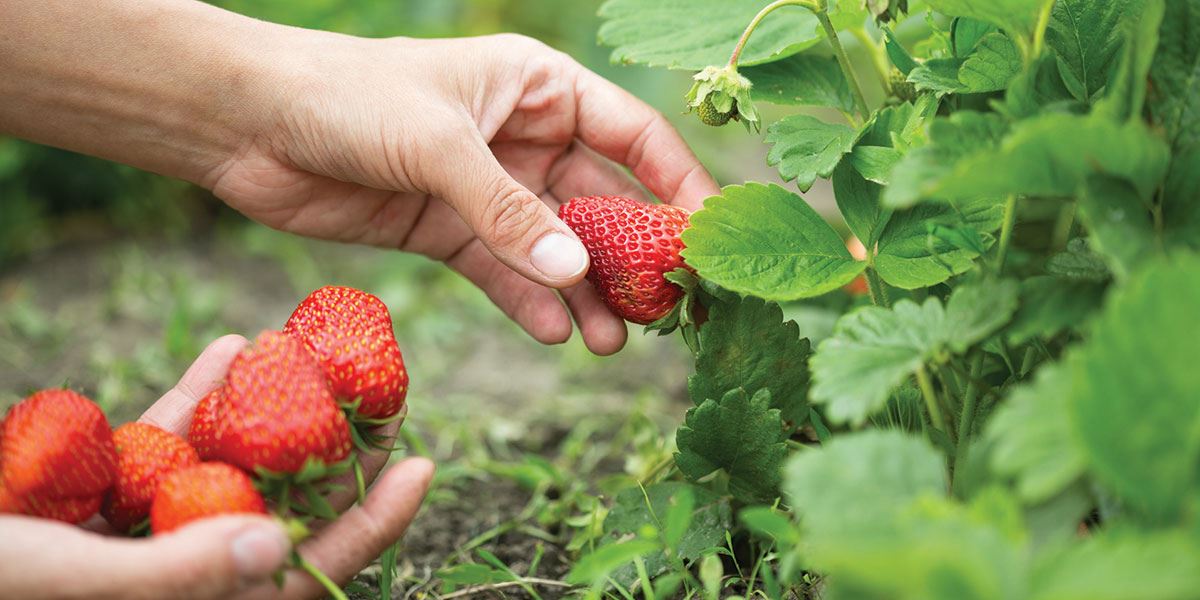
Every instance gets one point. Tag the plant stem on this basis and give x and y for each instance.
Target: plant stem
(1039, 33)
(878, 290)
(1062, 227)
(878, 57)
(967, 419)
(844, 61)
(1010, 219)
(334, 591)
(931, 402)
(741, 44)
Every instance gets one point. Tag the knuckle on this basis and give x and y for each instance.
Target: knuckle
(511, 215)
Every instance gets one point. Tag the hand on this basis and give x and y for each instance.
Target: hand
(214, 558)
(461, 150)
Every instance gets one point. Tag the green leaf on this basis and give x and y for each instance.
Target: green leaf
(1125, 92)
(966, 33)
(1052, 155)
(1117, 565)
(1051, 304)
(896, 52)
(938, 75)
(860, 481)
(1136, 397)
(1017, 17)
(858, 200)
(950, 140)
(740, 434)
(705, 517)
(595, 567)
(874, 163)
(805, 147)
(873, 350)
(1174, 103)
(1038, 88)
(801, 80)
(910, 256)
(1079, 263)
(991, 66)
(747, 344)
(1085, 34)
(765, 241)
(1121, 227)
(693, 34)
(1032, 438)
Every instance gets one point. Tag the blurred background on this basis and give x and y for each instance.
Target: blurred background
(112, 280)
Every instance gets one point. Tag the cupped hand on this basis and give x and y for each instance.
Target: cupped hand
(462, 150)
(214, 558)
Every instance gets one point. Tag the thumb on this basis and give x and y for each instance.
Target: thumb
(511, 221)
(210, 558)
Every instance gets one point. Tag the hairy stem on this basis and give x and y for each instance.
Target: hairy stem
(879, 59)
(1010, 219)
(1039, 33)
(844, 61)
(931, 401)
(741, 44)
(877, 288)
(332, 588)
(967, 419)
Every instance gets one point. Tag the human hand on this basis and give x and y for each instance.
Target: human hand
(223, 557)
(462, 150)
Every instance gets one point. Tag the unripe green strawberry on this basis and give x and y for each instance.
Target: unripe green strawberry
(350, 333)
(204, 490)
(900, 87)
(56, 444)
(145, 455)
(631, 245)
(277, 411)
(709, 115)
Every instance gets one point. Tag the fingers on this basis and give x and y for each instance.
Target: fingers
(211, 558)
(535, 308)
(363, 532)
(624, 129)
(512, 222)
(603, 332)
(173, 412)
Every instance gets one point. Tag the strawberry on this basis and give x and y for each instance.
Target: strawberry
(203, 490)
(69, 510)
(203, 427)
(632, 245)
(56, 444)
(350, 333)
(145, 455)
(277, 411)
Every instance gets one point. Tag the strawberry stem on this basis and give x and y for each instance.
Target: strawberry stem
(741, 44)
(334, 591)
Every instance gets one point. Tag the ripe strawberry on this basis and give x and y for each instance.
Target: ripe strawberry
(204, 424)
(631, 245)
(56, 444)
(203, 490)
(350, 333)
(277, 411)
(69, 510)
(145, 455)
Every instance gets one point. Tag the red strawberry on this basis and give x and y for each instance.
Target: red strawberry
(204, 490)
(69, 510)
(57, 444)
(277, 411)
(204, 424)
(145, 455)
(859, 286)
(631, 245)
(350, 333)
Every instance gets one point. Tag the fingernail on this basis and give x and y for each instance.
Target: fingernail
(259, 551)
(559, 256)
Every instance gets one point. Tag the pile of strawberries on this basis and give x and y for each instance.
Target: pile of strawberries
(292, 407)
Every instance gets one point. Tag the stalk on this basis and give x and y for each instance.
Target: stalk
(931, 402)
(967, 419)
(741, 44)
(332, 588)
(878, 57)
(1010, 219)
(877, 289)
(844, 61)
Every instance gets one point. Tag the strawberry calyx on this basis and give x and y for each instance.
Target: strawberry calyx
(684, 314)
(303, 492)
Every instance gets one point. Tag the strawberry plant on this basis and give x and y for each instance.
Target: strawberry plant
(1011, 410)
